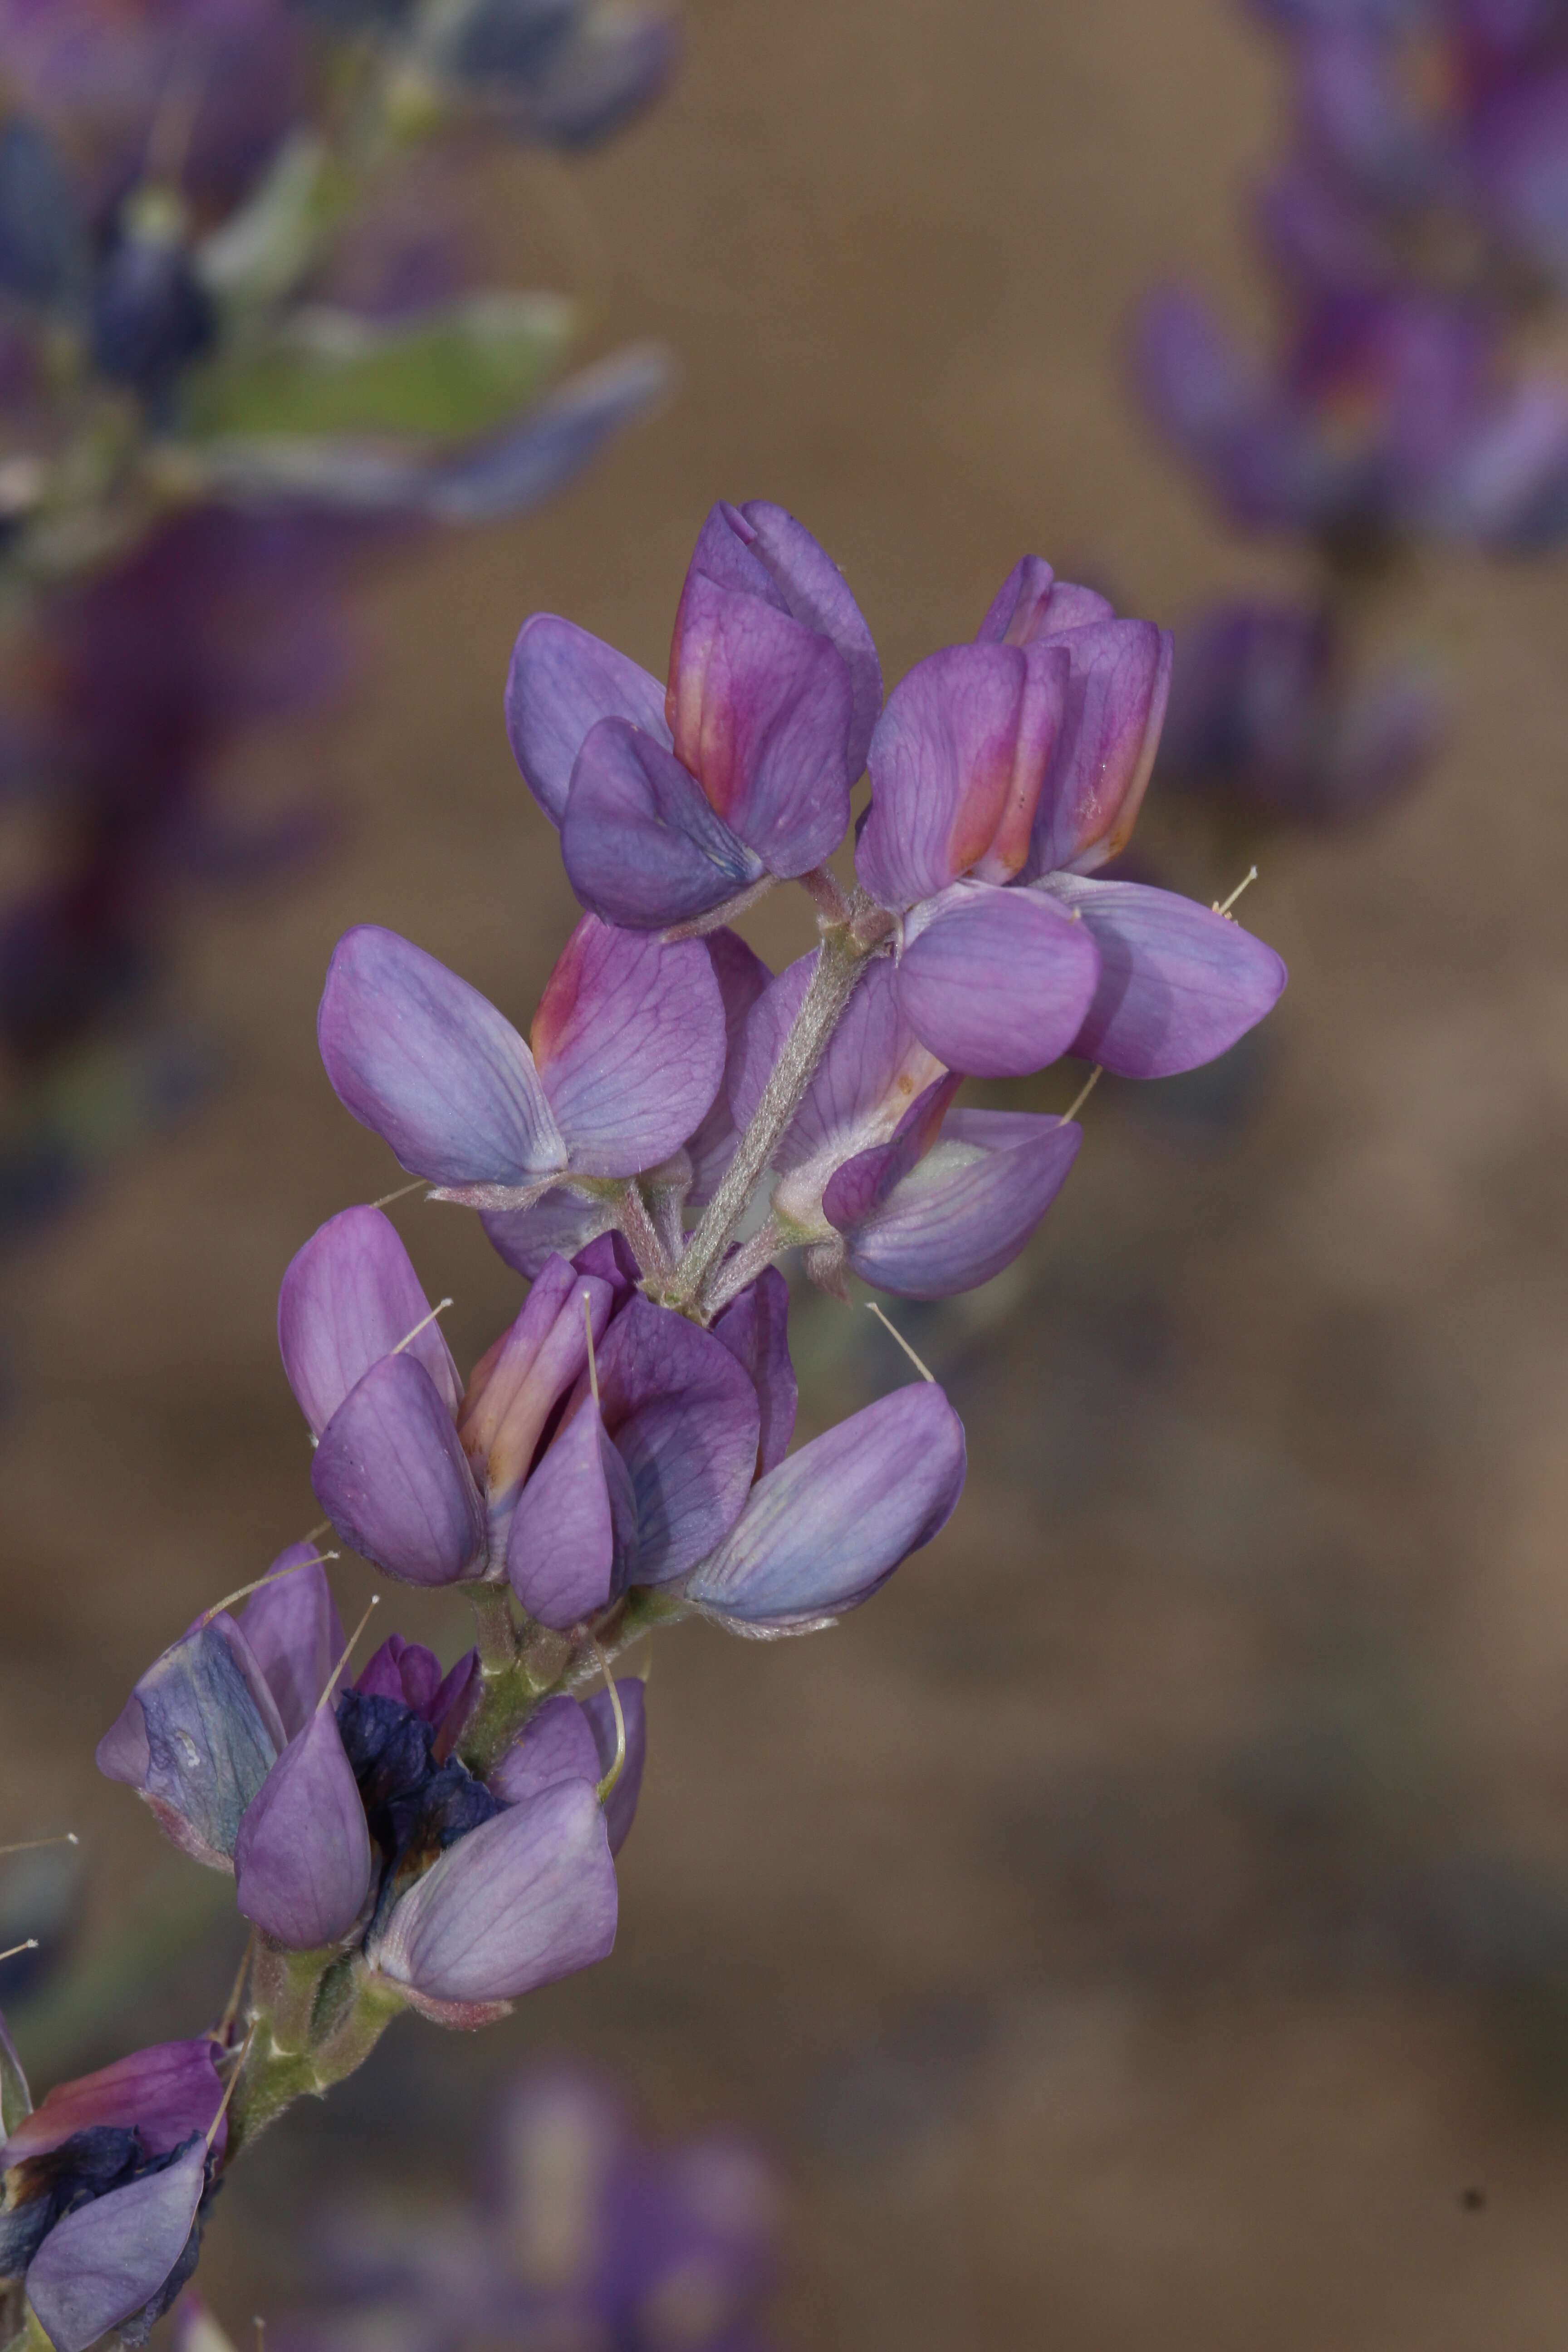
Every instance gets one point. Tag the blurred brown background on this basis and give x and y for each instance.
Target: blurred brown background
(1148, 1920)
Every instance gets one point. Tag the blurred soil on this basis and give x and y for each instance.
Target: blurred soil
(1147, 1922)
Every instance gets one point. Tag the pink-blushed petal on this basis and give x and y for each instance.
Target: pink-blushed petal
(348, 1298)
(518, 1385)
(761, 710)
(727, 555)
(957, 762)
(1106, 744)
(872, 1072)
(528, 1897)
(684, 1417)
(1178, 985)
(640, 843)
(816, 592)
(1031, 604)
(107, 2260)
(741, 977)
(555, 1744)
(428, 1063)
(562, 683)
(197, 1737)
(629, 1041)
(989, 990)
(557, 1226)
(965, 1210)
(295, 1634)
(833, 1521)
(574, 1525)
(302, 1859)
(392, 1477)
(166, 2092)
(755, 1328)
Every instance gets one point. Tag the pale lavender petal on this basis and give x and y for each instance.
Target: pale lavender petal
(872, 1071)
(859, 1186)
(629, 1041)
(302, 1860)
(621, 1804)
(741, 976)
(105, 2260)
(527, 1899)
(967, 1208)
(555, 1744)
(200, 1734)
(392, 1477)
(833, 1521)
(348, 1298)
(417, 1054)
(816, 592)
(1105, 748)
(761, 710)
(640, 843)
(755, 1330)
(561, 684)
(989, 989)
(295, 1634)
(574, 1525)
(1032, 602)
(1178, 985)
(166, 2092)
(684, 1417)
(557, 1226)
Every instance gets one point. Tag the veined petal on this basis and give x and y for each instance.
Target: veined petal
(833, 1521)
(629, 1041)
(574, 1525)
(1032, 602)
(557, 1226)
(302, 1860)
(295, 1634)
(1178, 985)
(873, 1068)
(527, 1899)
(965, 1210)
(103, 2262)
(196, 1739)
(815, 591)
(755, 1328)
(392, 1477)
(989, 989)
(561, 684)
(761, 710)
(428, 1063)
(641, 844)
(166, 2092)
(1106, 744)
(350, 1297)
(741, 977)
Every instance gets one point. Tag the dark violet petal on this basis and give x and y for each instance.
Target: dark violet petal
(405, 1671)
(555, 1744)
(872, 1072)
(640, 843)
(350, 1297)
(1178, 985)
(575, 1516)
(989, 989)
(755, 1330)
(1032, 602)
(966, 1208)
(166, 2092)
(621, 1804)
(108, 2258)
(417, 1054)
(957, 762)
(392, 1477)
(557, 1226)
(1105, 747)
(454, 1703)
(816, 592)
(833, 1521)
(209, 1731)
(527, 1899)
(761, 710)
(302, 1861)
(561, 684)
(629, 1041)
(684, 1417)
(741, 976)
(295, 1634)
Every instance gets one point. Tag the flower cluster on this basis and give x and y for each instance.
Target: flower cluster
(1407, 236)
(677, 1119)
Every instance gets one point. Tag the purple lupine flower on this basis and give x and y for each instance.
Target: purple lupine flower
(561, 73)
(671, 802)
(1002, 774)
(571, 1740)
(628, 1049)
(103, 2189)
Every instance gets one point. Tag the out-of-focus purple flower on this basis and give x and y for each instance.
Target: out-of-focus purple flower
(103, 2188)
(562, 73)
(628, 1049)
(670, 802)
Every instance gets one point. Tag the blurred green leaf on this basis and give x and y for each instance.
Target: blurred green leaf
(441, 377)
